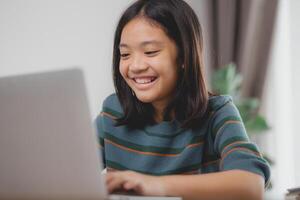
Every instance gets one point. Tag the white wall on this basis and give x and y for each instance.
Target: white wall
(280, 102)
(54, 34)
(295, 67)
(283, 94)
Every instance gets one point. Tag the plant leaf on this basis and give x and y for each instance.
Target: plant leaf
(226, 80)
(247, 107)
(256, 125)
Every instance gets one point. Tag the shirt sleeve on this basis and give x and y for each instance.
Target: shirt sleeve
(233, 145)
(100, 136)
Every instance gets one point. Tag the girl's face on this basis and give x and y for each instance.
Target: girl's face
(148, 62)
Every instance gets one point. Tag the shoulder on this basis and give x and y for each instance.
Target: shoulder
(112, 106)
(112, 101)
(217, 102)
(224, 113)
(222, 106)
(110, 111)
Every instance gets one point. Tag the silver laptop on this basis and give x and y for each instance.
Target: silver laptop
(48, 146)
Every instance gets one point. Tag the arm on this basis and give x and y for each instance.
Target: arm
(233, 184)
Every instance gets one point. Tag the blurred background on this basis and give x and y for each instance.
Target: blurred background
(260, 37)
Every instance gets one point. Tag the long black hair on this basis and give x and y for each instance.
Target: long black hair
(180, 23)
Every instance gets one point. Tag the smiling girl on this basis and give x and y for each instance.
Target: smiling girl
(163, 133)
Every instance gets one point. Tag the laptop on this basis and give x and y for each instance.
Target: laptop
(48, 146)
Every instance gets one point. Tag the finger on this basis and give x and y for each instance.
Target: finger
(130, 185)
(111, 176)
(108, 178)
(139, 189)
(114, 184)
(135, 186)
(126, 180)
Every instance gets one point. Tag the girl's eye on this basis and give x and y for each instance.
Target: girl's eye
(124, 55)
(151, 53)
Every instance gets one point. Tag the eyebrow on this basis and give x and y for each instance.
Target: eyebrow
(145, 43)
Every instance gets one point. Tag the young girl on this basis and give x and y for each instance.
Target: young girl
(163, 133)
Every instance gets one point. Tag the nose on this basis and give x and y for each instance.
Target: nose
(138, 64)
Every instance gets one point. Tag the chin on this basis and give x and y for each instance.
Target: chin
(145, 99)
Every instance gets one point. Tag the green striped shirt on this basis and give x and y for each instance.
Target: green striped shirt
(165, 148)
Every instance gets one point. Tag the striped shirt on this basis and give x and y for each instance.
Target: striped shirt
(165, 148)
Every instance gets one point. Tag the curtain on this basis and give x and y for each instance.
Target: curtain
(240, 31)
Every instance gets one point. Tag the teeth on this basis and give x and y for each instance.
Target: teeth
(143, 80)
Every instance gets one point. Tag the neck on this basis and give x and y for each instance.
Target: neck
(159, 108)
(159, 114)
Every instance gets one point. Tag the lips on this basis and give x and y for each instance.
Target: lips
(144, 80)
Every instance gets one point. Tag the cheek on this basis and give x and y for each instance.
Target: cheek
(122, 70)
(168, 68)
(171, 75)
(166, 63)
